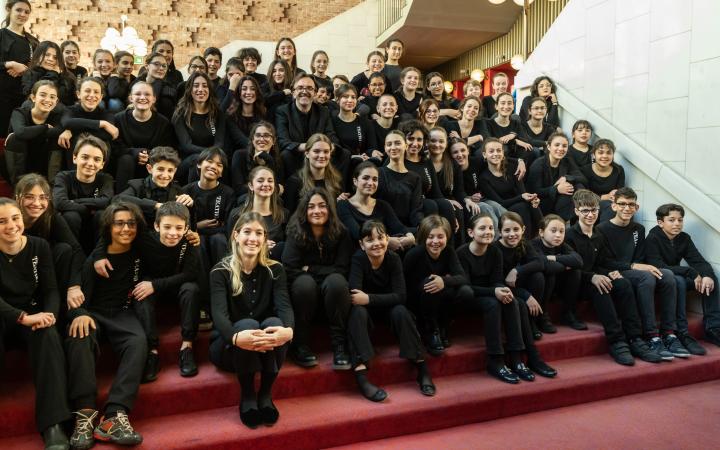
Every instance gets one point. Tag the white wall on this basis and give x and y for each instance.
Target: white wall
(651, 69)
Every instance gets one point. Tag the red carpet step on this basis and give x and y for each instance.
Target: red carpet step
(681, 417)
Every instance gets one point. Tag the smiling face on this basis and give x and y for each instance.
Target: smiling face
(317, 211)
(263, 139)
(34, 202)
(248, 93)
(557, 148)
(90, 95)
(500, 84)
(71, 56)
(437, 142)
(376, 87)
(625, 208)
(431, 114)
(142, 97)
(672, 224)
(211, 169)
(436, 87)
(587, 215)
(553, 234)
(505, 105)
(493, 153)
(49, 60)
(158, 67)
(394, 50)
(214, 62)
(11, 224)
(460, 153)
(89, 161)
(604, 156)
(262, 184)
(162, 173)
(320, 63)
(286, 51)
(366, 182)
(471, 109)
(250, 238)
(410, 81)
(124, 228)
(200, 90)
(375, 63)
(250, 64)
(303, 92)
(582, 135)
(387, 107)
(436, 242)
(538, 109)
(125, 66)
(104, 63)
(374, 245)
(395, 147)
(197, 65)
(322, 96)
(278, 74)
(166, 50)
(483, 232)
(319, 155)
(511, 233)
(171, 230)
(19, 14)
(348, 101)
(415, 141)
(45, 99)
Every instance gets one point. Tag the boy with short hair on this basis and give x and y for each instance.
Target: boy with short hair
(667, 246)
(213, 57)
(610, 293)
(626, 245)
(159, 186)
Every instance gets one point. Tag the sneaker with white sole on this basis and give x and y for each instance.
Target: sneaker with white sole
(117, 430)
(657, 346)
(674, 346)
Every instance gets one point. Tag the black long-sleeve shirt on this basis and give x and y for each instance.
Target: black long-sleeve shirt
(507, 190)
(78, 121)
(18, 48)
(146, 194)
(385, 285)
(511, 148)
(541, 177)
(264, 295)
(579, 157)
(323, 257)
(27, 281)
(626, 245)
(418, 265)
(523, 258)
(479, 128)
(603, 185)
(408, 107)
(136, 136)
(60, 233)
(483, 271)
(69, 194)
(246, 163)
(552, 117)
(565, 256)
(199, 136)
(25, 129)
(426, 171)
(538, 140)
(380, 134)
(592, 250)
(456, 190)
(355, 136)
(210, 204)
(403, 192)
(65, 83)
(353, 219)
(119, 88)
(667, 253)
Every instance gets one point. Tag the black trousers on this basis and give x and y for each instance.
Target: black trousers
(233, 359)
(534, 283)
(617, 311)
(85, 226)
(62, 256)
(306, 293)
(47, 362)
(402, 323)
(128, 341)
(566, 284)
(495, 315)
(187, 296)
(127, 168)
(213, 247)
(40, 155)
(530, 216)
(444, 208)
(562, 205)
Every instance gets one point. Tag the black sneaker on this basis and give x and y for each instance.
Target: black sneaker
(571, 320)
(205, 323)
(692, 345)
(620, 351)
(341, 360)
(152, 367)
(640, 349)
(85, 422)
(117, 430)
(656, 345)
(303, 356)
(186, 361)
(713, 336)
(674, 346)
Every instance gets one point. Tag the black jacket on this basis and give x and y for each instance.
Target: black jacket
(665, 253)
(289, 126)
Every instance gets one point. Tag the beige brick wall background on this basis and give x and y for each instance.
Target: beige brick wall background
(191, 25)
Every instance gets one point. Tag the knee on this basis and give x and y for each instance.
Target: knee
(358, 313)
(622, 285)
(246, 324)
(464, 293)
(335, 285)
(190, 290)
(271, 322)
(138, 342)
(61, 251)
(400, 314)
(668, 278)
(304, 287)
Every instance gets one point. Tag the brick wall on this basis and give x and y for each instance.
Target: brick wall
(191, 25)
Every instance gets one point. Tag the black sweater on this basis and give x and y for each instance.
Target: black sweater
(479, 128)
(497, 131)
(385, 285)
(592, 250)
(25, 129)
(418, 265)
(246, 163)
(18, 48)
(78, 121)
(146, 194)
(27, 281)
(505, 190)
(484, 271)
(541, 177)
(264, 295)
(199, 136)
(405, 106)
(60, 233)
(119, 88)
(552, 117)
(538, 140)
(210, 204)
(426, 171)
(322, 258)
(65, 83)
(523, 258)
(565, 257)
(456, 190)
(380, 134)
(69, 194)
(665, 253)
(626, 245)
(403, 192)
(137, 136)
(353, 219)
(603, 185)
(355, 136)
(580, 158)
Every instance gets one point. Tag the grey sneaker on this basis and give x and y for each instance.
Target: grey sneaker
(691, 344)
(640, 349)
(657, 346)
(117, 430)
(674, 346)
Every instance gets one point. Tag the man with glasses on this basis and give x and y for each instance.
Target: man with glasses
(300, 119)
(611, 294)
(626, 245)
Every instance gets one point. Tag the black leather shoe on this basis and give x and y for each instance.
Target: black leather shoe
(713, 336)
(571, 320)
(186, 360)
(269, 415)
(541, 368)
(55, 439)
(433, 342)
(251, 417)
(152, 367)
(544, 324)
(536, 334)
(341, 360)
(523, 372)
(303, 356)
(503, 373)
(444, 338)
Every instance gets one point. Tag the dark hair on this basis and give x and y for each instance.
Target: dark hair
(664, 210)
(40, 83)
(503, 164)
(556, 134)
(160, 42)
(108, 215)
(299, 226)
(538, 80)
(407, 70)
(341, 77)
(39, 54)
(276, 208)
(603, 143)
(447, 161)
(168, 154)
(234, 62)
(468, 99)
(173, 209)
(96, 80)
(184, 108)
(8, 6)
(408, 127)
(100, 51)
(581, 123)
(197, 58)
(476, 218)
(625, 192)
(425, 104)
(210, 153)
(428, 224)
(504, 94)
(314, 55)
(426, 85)
(375, 53)
(378, 75)
(212, 51)
(287, 81)
(512, 216)
(235, 110)
(372, 225)
(120, 54)
(88, 139)
(294, 59)
(68, 43)
(344, 89)
(585, 197)
(364, 165)
(301, 76)
(545, 222)
(24, 185)
(249, 52)
(394, 39)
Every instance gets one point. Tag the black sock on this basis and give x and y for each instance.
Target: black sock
(496, 361)
(423, 374)
(515, 358)
(248, 398)
(264, 399)
(367, 389)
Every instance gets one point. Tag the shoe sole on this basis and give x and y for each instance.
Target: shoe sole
(189, 374)
(342, 366)
(306, 364)
(681, 355)
(108, 438)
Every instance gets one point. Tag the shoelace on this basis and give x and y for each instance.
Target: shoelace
(84, 423)
(124, 423)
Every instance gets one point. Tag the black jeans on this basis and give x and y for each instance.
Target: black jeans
(402, 323)
(233, 359)
(617, 311)
(567, 286)
(306, 293)
(187, 296)
(710, 304)
(646, 286)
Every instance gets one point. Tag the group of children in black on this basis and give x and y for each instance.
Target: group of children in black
(255, 202)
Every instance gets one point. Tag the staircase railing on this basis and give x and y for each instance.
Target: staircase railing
(389, 12)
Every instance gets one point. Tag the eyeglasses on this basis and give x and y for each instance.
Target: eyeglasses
(159, 65)
(195, 67)
(538, 108)
(377, 85)
(132, 224)
(588, 211)
(33, 198)
(623, 205)
(432, 85)
(305, 88)
(263, 135)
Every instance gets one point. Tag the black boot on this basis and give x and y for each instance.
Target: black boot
(55, 439)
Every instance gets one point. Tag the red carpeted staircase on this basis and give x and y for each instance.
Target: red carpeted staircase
(321, 408)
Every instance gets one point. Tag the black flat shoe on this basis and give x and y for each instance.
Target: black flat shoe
(251, 418)
(571, 320)
(303, 356)
(427, 387)
(544, 324)
(541, 368)
(444, 338)
(433, 342)
(186, 361)
(55, 439)
(152, 368)
(341, 360)
(379, 396)
(269, 415)
(503, 373)
(523, 372)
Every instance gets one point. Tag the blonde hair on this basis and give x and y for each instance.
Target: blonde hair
(233, 262)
